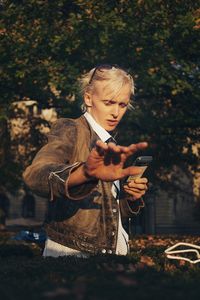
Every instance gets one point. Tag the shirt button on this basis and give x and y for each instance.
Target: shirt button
(114, 210)
(110, 251)
(113, 233)
(103, 251)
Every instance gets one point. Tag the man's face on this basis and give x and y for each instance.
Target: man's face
(105, 108)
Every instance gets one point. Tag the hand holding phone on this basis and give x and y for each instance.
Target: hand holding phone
(143, 162)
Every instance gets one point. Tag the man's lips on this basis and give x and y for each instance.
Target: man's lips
(112, 122)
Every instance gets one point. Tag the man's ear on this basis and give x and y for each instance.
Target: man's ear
(88, 99)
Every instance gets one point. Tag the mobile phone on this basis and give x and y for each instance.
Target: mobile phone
(143, 162)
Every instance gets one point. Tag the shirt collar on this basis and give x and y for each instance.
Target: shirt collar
(98, 129)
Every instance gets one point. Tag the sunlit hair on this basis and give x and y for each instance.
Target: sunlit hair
(115, 77)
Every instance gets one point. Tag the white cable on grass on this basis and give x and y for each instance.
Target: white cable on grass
(171, 253)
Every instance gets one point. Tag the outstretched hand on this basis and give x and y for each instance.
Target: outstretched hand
(106, 161)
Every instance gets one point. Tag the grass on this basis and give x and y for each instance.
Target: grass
(145, 273)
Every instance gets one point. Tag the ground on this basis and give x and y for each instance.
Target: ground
(144, 274)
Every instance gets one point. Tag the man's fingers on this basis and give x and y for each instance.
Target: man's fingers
(113, 147)
(141, 180)
(101, 145)
(132, 171)
(139, 187)
(110, 147)
(129, 150)
(139, 146)
(123, 149)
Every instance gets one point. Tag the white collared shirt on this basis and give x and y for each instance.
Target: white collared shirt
(122, 239)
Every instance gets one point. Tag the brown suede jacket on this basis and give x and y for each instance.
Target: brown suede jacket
(84, 217)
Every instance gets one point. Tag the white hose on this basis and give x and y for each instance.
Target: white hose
(172, 254)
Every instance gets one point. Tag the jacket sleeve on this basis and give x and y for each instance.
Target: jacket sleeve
(51, 167)
(130, 208)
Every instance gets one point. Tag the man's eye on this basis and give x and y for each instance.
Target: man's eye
(108, 102)
(123, 105)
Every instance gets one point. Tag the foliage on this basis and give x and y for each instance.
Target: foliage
(46, 45)
(144, 274)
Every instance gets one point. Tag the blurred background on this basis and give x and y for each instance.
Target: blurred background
(47, 45)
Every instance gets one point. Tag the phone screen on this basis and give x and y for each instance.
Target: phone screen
(142, 162)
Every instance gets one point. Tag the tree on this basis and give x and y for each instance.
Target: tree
(46, 45)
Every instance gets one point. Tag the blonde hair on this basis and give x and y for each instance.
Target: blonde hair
(115, 77)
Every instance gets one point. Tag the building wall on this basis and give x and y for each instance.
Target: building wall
(175, 214)
(16, 216)
(175, 204)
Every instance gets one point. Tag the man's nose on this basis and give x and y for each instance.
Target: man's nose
(115, 111)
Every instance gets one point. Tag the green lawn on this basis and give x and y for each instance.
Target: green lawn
(145, 274)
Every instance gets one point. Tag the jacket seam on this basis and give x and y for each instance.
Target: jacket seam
(55, 174)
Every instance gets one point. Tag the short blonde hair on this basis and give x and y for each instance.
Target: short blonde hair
(115, 76)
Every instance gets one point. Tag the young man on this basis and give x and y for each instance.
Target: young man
(79, 170)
